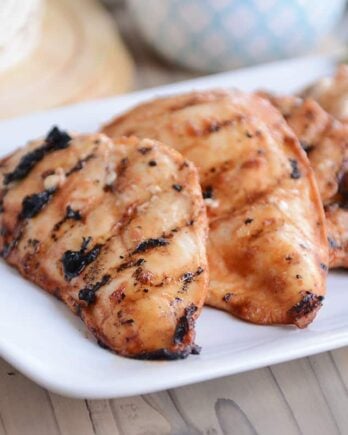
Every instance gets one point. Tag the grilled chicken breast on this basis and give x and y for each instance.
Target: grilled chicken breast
(326, 142)
(116, 231)
(332, 93)
(267, 249)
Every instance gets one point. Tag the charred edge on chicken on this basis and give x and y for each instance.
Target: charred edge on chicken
(54, 141)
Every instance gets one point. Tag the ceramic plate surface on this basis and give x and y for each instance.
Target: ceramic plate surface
(50, 345)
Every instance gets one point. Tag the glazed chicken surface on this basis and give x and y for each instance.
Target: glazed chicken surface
(115, 230)
(325, 141)
(267, 249)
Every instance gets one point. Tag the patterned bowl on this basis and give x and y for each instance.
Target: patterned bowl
(215, 35)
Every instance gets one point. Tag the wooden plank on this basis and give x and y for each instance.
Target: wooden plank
(137, 415)
(300, 397)
(332, 388)
(340, 361)
(72, 415)
(168, 408)
(25, 408)
(301, 389)
(102, 417)
(248, 403)
(2, 424)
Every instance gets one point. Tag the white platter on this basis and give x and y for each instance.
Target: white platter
(40, 337)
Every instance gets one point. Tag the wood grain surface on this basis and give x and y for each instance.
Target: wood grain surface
(307, 396)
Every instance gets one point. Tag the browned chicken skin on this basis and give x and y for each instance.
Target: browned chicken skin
(117, 231)
(326, 142)
(267, 249)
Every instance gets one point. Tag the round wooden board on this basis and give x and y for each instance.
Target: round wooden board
(79, 56)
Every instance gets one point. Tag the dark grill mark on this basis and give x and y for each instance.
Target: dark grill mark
(80, 164)
(212, 127)
(34, 203)
(88, 294)
(248, 221)
(195, 349)
(166, 354)
(188, 277)
(152, 163)
(307, 304)
(333, 243)
(127, 322)
(144, 150)
(108, 188)
(55, 140)
(185, 324)
(72, 214)
(306, 147)
(182, 328)
(69, 214)
(324, 267)
(295, 172)
(102, 344)
(227, 297)
(208, 192)
(74, 262)
(131, 263)
(343, 191)
(34, 244)
(13, 243)
(121, 169)
(7, 249)
(177, 187)
(148, 244)
(121, 316)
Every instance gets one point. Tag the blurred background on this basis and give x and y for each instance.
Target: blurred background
(56, 52)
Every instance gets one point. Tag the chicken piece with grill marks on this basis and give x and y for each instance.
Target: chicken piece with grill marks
(116, 231)
(267, 249)
(325, 141)
(332, 93)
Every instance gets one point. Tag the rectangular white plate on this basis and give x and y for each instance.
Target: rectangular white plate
(40, 337)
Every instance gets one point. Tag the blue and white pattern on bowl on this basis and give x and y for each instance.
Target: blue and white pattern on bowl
(216, 35)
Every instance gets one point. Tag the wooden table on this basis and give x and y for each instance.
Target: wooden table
(307, 396)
